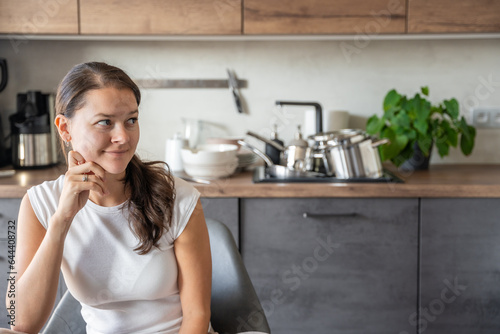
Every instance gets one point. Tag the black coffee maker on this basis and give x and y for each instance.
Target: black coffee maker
(4, 150)
(33, 136)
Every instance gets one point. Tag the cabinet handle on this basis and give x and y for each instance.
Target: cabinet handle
(326, 215)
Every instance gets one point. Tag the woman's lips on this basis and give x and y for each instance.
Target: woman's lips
(117, 152)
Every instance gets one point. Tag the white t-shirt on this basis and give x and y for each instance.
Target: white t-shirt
(120, 290)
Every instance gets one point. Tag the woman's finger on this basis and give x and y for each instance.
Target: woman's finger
(88, 168)
(83, 182)
(75, 159)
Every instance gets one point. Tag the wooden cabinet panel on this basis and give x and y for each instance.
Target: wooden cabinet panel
(160, 17)
(324, 16)
(39, 17)
(335, 272)
(453, 16)
(460, 266)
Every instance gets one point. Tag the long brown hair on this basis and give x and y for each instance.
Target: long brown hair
(150, 183)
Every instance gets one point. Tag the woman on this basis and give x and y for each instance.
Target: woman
(130, 238)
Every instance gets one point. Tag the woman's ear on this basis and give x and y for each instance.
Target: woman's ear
(62, 124)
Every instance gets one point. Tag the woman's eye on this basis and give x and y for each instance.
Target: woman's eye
(132, 120)
(104, 122)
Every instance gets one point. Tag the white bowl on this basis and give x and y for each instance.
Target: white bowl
(211, 171)
(209, 154)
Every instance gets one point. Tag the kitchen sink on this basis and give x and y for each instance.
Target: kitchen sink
(260, 176)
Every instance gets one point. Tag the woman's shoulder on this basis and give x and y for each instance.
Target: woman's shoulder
(52, 187)
(183, 187)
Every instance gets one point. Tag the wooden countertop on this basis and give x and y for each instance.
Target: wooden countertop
(439, 181)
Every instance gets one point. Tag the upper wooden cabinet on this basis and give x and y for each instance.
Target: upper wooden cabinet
(324, 16)
(154, 17)
(453, 16)
(39, 17)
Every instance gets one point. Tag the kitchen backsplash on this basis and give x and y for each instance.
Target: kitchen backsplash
(341, 75)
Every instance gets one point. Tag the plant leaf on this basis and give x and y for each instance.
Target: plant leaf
(421, 126)
(397, 144)
(401, 120)
(467, 140)
(452, 108)
(442, 146)
(391, 100)
(425, 90)
(425, 144)
(374, 125)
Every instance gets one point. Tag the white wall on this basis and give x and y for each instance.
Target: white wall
(294, 70)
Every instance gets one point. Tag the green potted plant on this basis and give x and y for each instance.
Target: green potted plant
(413, 125)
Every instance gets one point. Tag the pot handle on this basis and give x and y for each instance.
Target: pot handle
(256, 151)
(267, 141)
(380, 142)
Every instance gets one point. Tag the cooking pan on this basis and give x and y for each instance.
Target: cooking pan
(349, 153)
(278, 171)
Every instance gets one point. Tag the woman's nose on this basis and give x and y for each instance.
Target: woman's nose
(119, 135)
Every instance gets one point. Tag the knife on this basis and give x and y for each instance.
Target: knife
(233, 87)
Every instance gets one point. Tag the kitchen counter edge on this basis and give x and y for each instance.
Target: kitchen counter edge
(440, 181)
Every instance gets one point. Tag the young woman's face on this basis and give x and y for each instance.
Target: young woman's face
(106, 130)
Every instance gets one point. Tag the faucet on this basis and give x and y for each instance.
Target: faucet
(319, 111)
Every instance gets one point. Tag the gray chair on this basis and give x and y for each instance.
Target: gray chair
(235, 306)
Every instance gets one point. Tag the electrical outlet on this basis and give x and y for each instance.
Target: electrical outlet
(486, 117)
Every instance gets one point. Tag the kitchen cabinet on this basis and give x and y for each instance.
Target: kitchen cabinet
(460, 266)
(349, 267)
(30, 17)
(153, 17)
(324, 17)
(224, 210)
(453, 16)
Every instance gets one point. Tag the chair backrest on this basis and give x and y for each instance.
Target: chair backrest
(235, 306)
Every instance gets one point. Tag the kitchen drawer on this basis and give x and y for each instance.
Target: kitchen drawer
(349, 267)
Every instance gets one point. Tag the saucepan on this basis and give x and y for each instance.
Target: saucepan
(278, 171)
(350, 153)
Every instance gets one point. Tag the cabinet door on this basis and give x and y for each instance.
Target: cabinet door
(460, 275)
(349, 268)
(160, 17)
(39, 17)
(224, 210)
(324, 17)
(453, 16)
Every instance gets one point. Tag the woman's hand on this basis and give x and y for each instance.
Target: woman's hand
(82, 177)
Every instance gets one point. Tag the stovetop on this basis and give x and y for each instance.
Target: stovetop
(260, 176)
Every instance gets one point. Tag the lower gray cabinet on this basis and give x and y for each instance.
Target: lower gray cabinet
(9, 208)
(333, 265)
(224, 210)
(460, 275)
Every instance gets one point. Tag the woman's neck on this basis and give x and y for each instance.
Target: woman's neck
(116, 192)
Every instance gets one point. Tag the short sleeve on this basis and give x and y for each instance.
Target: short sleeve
(186, 197)
(44, 199)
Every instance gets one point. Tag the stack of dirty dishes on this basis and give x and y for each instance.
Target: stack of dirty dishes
(210, 161)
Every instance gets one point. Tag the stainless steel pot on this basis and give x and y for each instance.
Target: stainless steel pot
(349, 154)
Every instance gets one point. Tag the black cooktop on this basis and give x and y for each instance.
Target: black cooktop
(260, 176)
